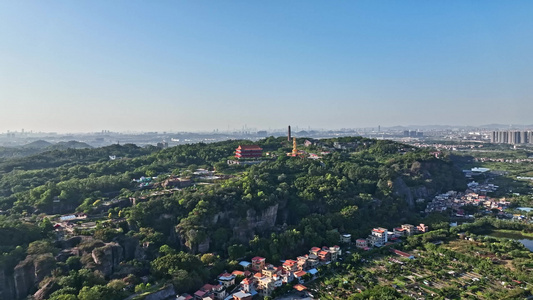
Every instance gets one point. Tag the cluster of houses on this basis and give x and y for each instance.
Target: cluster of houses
(262, 278)
(475, 195)
(382, 236)
(487, 159)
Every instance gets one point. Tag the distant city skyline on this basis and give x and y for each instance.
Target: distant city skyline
(84, 66)
(295, 129)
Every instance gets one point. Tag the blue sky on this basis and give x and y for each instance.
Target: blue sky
(200, 65)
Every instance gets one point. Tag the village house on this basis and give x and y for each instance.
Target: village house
(324, 255)
(314, 251)
(269, 271)
(398, 231)
(346, 238)
(242, 296)
(258, 263)
(335, 252)
(247, 285)
(361, 243)
(298, 275)
(312, 260)
(287, 276)
(219, 292)
(379, 236)
(302, 262)
(290, 265)
(422, 228)
(226, 279)
(409, 229)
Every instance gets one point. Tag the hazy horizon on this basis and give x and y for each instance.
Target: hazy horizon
(197, 66)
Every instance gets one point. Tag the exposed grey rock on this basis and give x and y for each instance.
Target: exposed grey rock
(29, 272)
(7, 286)
(108, 257)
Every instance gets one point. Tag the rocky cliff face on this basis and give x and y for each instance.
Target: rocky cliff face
(108, 257)
(132, 248)
(28, 273)
(266, 220)
(410, 193)
(45, 291)
(255, 222)
(7, 286)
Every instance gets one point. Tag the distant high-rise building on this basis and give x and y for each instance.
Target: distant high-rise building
(289, 133)
(512, 137)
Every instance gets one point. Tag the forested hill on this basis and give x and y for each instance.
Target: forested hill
(39, 146)
(273, 209)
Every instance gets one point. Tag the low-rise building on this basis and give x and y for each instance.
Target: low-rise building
(226, 279)
(361, 243)
(242, 296)
(422, 228)
(398, 231)
(346, 238)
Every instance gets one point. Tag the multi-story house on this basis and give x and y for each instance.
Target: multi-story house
(265, 285)
(247, 285)
(381, 235)
(335, 252)
(409, 229)
(361, 243)
(226, 279)
(398, 231)
(324, 255)
(312, 260)
(290, 265)
(269, 271)
(302, 262)
(258, 263)
(219, 292)
(422, 228)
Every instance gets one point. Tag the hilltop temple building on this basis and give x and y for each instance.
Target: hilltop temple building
(248, 151)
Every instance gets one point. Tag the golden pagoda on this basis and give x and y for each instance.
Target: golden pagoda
(294, 149)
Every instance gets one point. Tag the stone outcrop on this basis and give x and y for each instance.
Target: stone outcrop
(108, 257)
(28, 273)
(45, 291)
(203, 247)
(7, 286)
(265, 220)
(410, 193)
(255, 222)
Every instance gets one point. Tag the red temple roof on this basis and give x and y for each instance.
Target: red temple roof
(249, 147)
